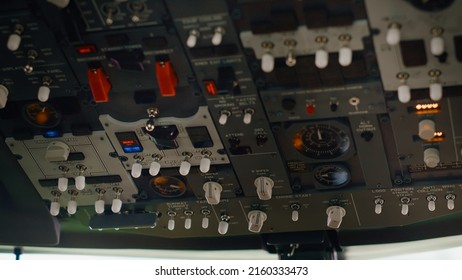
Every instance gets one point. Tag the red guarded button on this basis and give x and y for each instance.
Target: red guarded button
(166, 78)
(99, 84)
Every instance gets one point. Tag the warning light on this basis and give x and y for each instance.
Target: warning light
(129, 142)
(210, 87)
(85, 49)
(425, 108)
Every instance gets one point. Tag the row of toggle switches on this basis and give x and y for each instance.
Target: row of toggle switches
(216, 39)
(405, 201)
(345, 53)
(116, 205)
(256, 219)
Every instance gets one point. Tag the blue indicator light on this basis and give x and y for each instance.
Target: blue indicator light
(132, 149)
(52, 134)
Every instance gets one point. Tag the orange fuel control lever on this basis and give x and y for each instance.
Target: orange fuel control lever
(166, 78)
(99, 84)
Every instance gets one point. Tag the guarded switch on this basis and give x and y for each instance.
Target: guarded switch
(99, 84)
(166, 78)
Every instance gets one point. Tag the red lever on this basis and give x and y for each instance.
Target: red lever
(166, 78)
(99, 84)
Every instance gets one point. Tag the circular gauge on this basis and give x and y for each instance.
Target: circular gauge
(331, 176)
(168, 186)
(321, 141)
(41, 115)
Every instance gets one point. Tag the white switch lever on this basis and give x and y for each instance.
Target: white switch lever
(450, 197)
(335, 216)
(217, 37)
(267, 62)
(393, 36)
(431, 203)
(99, 206)
(136, 170)
(256, 220)
(14, 40)
(436, 91)
(55, 206)
(192, 38)
(72, 207)
(321, 58)
(212, 192)
(264, 187)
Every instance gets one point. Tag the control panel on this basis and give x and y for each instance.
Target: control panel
(183, 119)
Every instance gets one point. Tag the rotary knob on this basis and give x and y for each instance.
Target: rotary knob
(256, 220)
(212, 192)
(264, 187)
(335, 216)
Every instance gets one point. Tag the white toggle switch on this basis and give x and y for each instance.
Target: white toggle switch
(57, 151)
(431, 203)
(223, 227)
(185, 167)
(63, 183)
(204, 165)
(264, 187)
(213, 192)
(80, 182)
(116, 205)
(295, 215)
(378, 209)
(224, 117)
(3, 96)
(321, 58)
(256, 220)
(59, 3)
(345, 56)
(436, 91)
(393, 36)
(205, 222)
(404, 209)
(99, 206)
(192, 38)
(248, 115)
(136, 170)
(437, 46)
(431, 157)
(378, 205)
(72, 207)
(450, 197)
(54, 208)
(14, 40)
(267, 62)
(404, 93)
(154, 168)
(187, 223)
(43, 93)
(426, 129)
(217, 37)
(171, 224)
(335, 216)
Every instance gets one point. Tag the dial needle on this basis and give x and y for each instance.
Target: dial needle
(319, 135)
(175, 187)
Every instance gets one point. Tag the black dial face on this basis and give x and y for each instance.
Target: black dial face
(321, 141)
(331, 175)
(168, 186)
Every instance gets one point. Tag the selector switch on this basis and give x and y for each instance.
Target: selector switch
(212, 192)
(224, 115)
(223, 225)
(405, 205)
(335, 216)
(426, 129)
(57, 151)
(248, 115)
(431, 157)
(256, 220)
(264, 187)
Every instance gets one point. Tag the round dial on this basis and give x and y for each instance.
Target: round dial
(321, 141)
(168, 186)
(41, 115)
(331, 175)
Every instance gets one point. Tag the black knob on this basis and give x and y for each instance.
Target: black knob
(288, 103)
